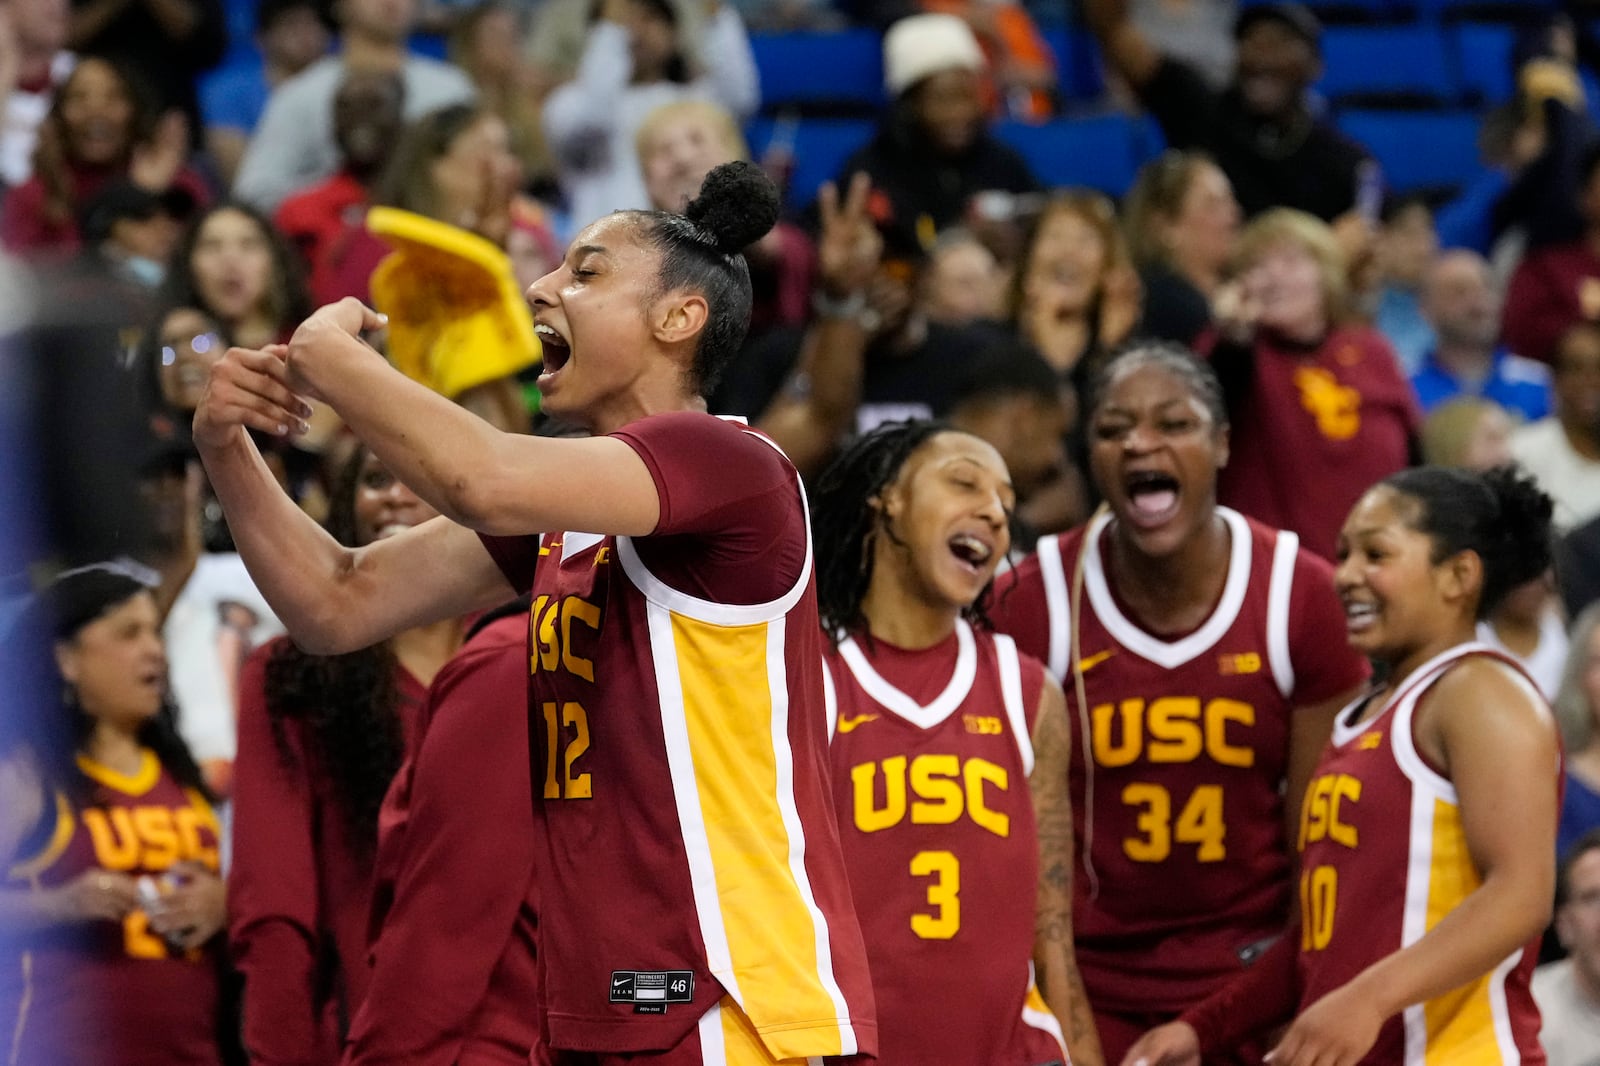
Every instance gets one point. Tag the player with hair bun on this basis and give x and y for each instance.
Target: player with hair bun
(692, 899)
(1426, 835)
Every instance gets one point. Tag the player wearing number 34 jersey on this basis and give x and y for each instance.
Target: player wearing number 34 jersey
(1203, 659)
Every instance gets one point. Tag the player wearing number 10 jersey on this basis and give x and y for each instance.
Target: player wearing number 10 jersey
(949, 754)
(1203, 659)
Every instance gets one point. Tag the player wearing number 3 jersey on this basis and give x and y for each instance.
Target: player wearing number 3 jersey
(949, 754)
(1202, 660)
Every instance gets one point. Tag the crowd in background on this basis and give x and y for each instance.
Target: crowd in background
(1355, 332)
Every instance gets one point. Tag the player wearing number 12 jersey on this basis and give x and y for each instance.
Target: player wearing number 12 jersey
(949, 754)
(1203, 662)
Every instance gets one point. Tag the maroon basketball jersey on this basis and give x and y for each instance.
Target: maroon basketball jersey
(931, 754)
(685, 843)
(1183, 871)
(1383, 858)
(114, 993)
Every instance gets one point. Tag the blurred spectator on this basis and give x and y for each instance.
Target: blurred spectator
(487, 43)
(1311, 400)
(320, 740)
(367, 123)
(1460, 304)
(1529, 628)
(131, 233)
(1568, 992)
(173, 365)
(1557, 286)
(100, 129)
(1563, 450)
(1469, 432)
(232, 265)
(963, 283)
(168, 44)
(1019, 75)
(557, 36)
(1406, 248)
(293, 146)
(932, 154)
(211, 615)
(33, 63)
(1577, 708)
(1012, 399)
(1578, 567)
(1197, 32)
(1074, 295)
(1260, 130)
(111, 934)
(678, 145)
(638, 55)
(290, 35)
(1182, 224)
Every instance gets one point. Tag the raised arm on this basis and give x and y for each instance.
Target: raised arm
(331, 598)
(1055, 963)
(1133, 54)
(1497, 743)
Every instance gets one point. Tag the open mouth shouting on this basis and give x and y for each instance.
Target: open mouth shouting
(557, 350)
(972, 553)
(1153, 497)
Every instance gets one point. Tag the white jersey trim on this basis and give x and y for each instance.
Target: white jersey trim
(1280, 589)
(830, 700)
(783, 757)
(713, 1047)
(578, 543)
(1057, 602)
(723, 614)
(1170, 654)
(1043, 1019)
(1011, 693)
(892, 699)
(686, 794)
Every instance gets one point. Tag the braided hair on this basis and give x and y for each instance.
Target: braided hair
(846, 516)
(702, 250)
(349, 704)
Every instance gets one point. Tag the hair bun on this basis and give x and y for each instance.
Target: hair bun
(737, 205)
(1524, 517)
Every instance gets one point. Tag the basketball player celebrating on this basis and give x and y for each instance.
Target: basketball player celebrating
(962, 880)
(1427, 831)
(692, 899)
(1202, 654)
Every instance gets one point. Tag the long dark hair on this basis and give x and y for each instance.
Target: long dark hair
(72, 601)
(288, 300)
(349, 704)
(53, 161)
(845, 518)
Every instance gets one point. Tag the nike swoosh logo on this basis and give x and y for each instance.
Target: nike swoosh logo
(619, 981)
(847, 724)
(1090, 662)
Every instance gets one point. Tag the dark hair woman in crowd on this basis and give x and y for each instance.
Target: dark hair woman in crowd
(320, 738)
(101, 128)
(1428, 830)
(112, 902)
(911, 522)
(232, 265)
(1200, 651)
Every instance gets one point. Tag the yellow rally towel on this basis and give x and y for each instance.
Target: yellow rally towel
(456, 316)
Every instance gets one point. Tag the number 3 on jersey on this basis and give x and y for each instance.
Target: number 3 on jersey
(1200, 823)
(944, 895)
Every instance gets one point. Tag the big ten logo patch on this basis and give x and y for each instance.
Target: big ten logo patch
(1233, 665)
(152, 838)
(1336, 408)
(985, 725)
(1172, 729)
(932, 790)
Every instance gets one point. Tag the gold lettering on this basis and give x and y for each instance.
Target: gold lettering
(116, 844)
(1175, 729)
(1131, 715)
(934, 780)
(869, 816)
(976, 773)
(589, 615)
(1219, 713)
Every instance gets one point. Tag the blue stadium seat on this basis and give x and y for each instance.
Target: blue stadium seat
(1340, 11)
(820, 73)
(1508, 10)
(1483, 60)
(1100, 151)
(1377, 65)
(1419, 150)
(1080, 72)
(821, 147)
